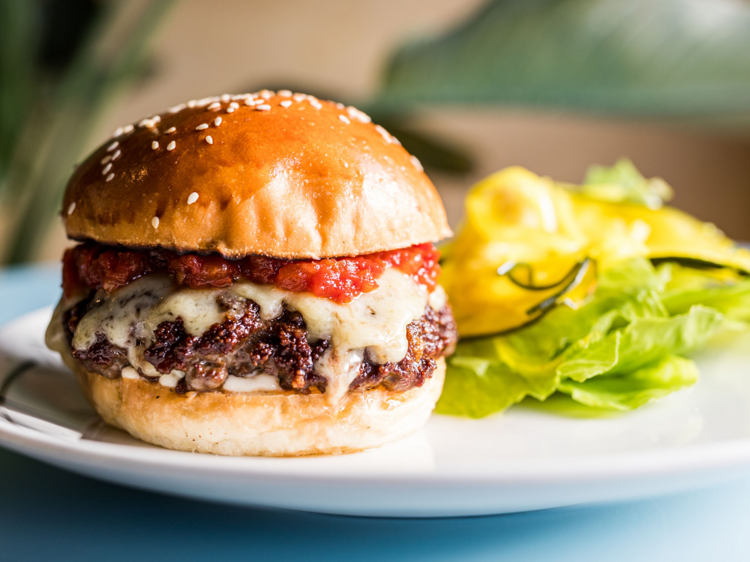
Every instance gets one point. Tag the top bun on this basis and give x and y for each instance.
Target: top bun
(273, 174)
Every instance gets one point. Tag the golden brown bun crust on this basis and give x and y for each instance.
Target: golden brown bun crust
(289, 182)
(271, 424)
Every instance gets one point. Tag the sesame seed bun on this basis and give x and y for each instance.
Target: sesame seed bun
(280, 175)
(276, 424)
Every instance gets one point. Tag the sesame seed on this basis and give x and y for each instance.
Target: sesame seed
(177, 108)
(225, 98)
(417, 163)
(230, 110)
(155, 222)
(383, 133)
(265, 94)
(109, 177)
(156, 119)
(344, 119)
(192, 103)
(171, 130)
(217, 121)
(154, 145)
(286, 103)
(315, 103)
(128, 129)
(112, 146)
(251, 101)
(284, 93)
(71, 208)
(298, 97)
(263, 107)
(106, 159)
(116, 155)
(201, 127)
(340, 106)
(192, 198)
(215, 105)
(107, 168)
(209, 140)
(234, 105)
(346, 164)
(355, 113)
(148, 123)
(171, 145)
(118, 132)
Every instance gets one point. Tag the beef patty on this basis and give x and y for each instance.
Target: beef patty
(243, 344)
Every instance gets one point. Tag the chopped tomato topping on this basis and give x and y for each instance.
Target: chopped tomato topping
(95, 266)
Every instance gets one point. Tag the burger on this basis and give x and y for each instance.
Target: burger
(255, 275)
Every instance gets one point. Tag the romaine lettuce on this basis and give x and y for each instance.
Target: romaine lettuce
(631, 390)
(619, 350)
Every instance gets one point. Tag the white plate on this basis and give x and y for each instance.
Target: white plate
(522, 460)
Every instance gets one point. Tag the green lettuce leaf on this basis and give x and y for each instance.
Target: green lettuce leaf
(619, 350)
(642, 342)
(480, 389)
(636, 388)
(623, 183)
(689, 286)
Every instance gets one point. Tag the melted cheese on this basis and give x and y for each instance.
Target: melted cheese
(438, 299)
(257, 383)
(130, 373)
(123, 316)
(197, 308)
(55, 337)
(373, 323)
(171, 379)
(340, 366)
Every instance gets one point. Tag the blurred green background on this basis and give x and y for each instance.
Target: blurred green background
(469, 86)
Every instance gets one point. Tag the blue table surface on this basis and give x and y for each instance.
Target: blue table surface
(49, 514)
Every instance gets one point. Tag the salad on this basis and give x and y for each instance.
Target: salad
(597, 292)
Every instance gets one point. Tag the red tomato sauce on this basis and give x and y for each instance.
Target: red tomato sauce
(94, 266)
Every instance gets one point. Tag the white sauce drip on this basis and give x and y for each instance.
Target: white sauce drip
(256, 383)
(374, 322)
(170, 380)
(129, 373)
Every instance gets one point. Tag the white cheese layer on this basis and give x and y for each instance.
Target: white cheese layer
(374, 322)
(259, 382)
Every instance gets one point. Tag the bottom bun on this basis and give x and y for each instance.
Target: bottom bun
(274, 424)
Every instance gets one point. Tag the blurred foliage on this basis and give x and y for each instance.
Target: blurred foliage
(665, 58)
(61, 62)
